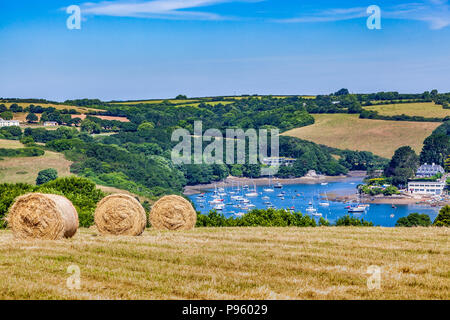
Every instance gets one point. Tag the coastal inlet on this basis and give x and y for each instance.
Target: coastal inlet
(317, 200)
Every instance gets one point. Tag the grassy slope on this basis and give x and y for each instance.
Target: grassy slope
(15, 170)
(381, 137)
(427, 110)
(26, 169)
(232, 263)
(10, 144)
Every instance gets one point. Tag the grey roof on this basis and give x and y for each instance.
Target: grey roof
(430, 168)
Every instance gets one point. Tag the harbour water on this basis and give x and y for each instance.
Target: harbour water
(300, 197)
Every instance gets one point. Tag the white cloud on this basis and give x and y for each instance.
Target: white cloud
(434, 12)
(159, 9)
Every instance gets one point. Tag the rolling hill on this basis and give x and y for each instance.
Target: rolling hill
(347, 131)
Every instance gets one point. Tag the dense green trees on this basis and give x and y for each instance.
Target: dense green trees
(46, 175)
(347, 221)
(443, 218)
(436, 149)
(414, 220)
(7, 115)
(272, 218)
(90, 126)
(15, 108)
(11, 133)
(22, 152)
(403, 166)
(31, 117)
(309, 156)
(264, 218)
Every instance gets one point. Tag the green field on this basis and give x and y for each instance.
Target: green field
(232, 263)
(347, 131)
(426, 109)
(174, 101)
(15, 170)
(10, 144)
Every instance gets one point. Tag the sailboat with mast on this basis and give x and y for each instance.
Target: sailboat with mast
(269, 188)
(325, 203)
(253, 193)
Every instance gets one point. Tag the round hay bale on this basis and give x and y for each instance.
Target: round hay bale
(173, 213)
(43, 216)
(120, 214)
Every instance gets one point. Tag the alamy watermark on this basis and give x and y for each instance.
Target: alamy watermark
(190, 149)
(374, 20)
(74, 20)
(74, 281)
(374, 281)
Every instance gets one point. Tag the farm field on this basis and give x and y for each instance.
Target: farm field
(425, 109)
(10, 144)
(81, 110)
(231, 263)
(15, 170)
(211, 103)
(157, 101)
(347, 131)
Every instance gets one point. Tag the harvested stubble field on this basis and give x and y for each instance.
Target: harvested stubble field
(81, 110)
(420, 109)
(25, 170)
(382, 137)
(231, 263)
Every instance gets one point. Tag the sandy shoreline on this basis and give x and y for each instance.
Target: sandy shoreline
(190, 190)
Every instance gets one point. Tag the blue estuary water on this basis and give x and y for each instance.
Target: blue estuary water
(300, 197)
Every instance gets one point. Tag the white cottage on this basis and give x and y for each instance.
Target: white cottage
(9, 123)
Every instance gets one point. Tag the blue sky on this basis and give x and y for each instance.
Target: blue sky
(161, 48)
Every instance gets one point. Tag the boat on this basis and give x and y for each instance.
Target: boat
(280, 195)
(324, 184)
(266, 198)
(325, 203)
(254, 193)
(392, 216)
(216, 201)
(219, 207)
(310, 208)
(316, 214)
(357, 208)
(239, 214)
(269, 188)
(278, 185)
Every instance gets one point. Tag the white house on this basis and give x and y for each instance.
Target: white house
(50, 124)
(9, 123)
(429, 170)
(278, 161)
(426, 187)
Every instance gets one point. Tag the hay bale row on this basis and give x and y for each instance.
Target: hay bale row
(53, 217)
